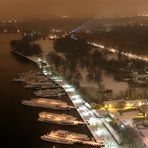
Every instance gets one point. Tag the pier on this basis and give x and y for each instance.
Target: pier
(95, 126)
(31, 59)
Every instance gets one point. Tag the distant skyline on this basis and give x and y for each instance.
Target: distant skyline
(73, 8)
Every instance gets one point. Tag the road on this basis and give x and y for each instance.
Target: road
(127, 54)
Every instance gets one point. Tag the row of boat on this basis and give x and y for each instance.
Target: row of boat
(45, 89)
(44, 86)
(35, 80)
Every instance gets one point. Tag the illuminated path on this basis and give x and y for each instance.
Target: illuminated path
(113, 50)
(129, 55)
(95, 126)
(116, 51)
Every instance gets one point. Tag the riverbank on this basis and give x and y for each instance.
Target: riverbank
(31, 59)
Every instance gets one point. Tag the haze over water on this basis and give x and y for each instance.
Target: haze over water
(73, 8)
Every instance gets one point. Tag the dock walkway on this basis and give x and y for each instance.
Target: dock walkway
(96, 126)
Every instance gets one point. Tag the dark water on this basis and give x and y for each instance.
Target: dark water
(18, 124)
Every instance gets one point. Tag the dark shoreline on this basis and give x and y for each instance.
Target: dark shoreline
(72, 112)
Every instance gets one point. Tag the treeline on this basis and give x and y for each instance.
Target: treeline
(26, 46)
(68, 45)
(78, 52)
(133, 39)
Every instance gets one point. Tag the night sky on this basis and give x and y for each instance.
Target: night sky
(73, 8)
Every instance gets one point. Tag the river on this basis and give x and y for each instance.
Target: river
(18, 125)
